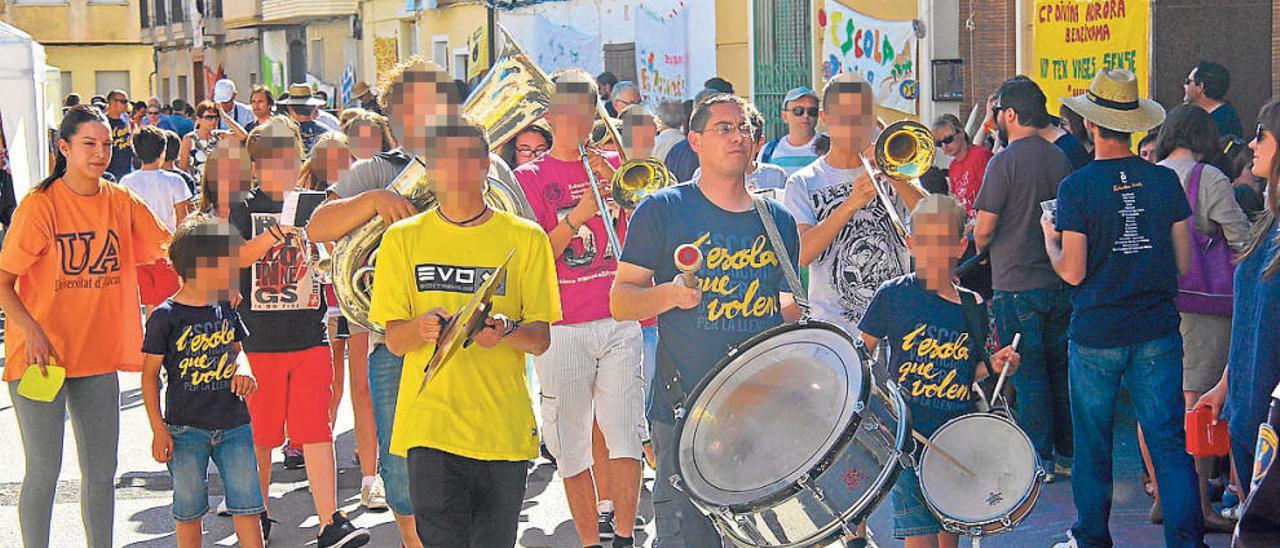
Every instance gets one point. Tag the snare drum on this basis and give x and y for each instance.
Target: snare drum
(1006, 479)
(783, 443)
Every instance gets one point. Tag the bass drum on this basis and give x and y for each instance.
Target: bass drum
(785, 442)
(1005, 483)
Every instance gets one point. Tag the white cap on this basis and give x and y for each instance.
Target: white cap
(224, 90)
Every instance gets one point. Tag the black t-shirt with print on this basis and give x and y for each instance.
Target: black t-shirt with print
(281, 303)
(199, 359)
(121, 149)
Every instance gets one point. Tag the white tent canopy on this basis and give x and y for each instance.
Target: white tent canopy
(24, 112)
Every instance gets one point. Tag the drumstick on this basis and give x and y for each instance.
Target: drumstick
(1004, 373)
(688, 261)
(945, 455)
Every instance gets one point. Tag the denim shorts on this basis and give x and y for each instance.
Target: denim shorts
(911, 517)
(232, 452)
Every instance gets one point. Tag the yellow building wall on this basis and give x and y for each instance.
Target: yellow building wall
(82, 61)
(78, 21)
(733, 53)
(456, 22)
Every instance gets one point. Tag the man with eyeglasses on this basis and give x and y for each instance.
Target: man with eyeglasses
(1206, 87)
(802, 144)
(1028, 296)
(121, 135)
(625, 94)
(716, 213)
(847, 235)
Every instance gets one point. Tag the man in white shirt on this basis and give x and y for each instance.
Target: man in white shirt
(224, 94)
(802, 144)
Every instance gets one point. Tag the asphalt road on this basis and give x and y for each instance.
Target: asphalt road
(143, 497)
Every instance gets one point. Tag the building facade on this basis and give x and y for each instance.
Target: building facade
(93, 57)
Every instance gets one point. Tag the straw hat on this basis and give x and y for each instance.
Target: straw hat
(361, 90)
(300, 95)
(1112, 102)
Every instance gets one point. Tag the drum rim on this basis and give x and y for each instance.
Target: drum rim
(819, 465)
(1030, 496)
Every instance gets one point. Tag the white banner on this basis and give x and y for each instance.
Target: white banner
(662, 63)
(883, 52)
(555, 46)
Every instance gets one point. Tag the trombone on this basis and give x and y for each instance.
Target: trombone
(903, 151)
(632, 181)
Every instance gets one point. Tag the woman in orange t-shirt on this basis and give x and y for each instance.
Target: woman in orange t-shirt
(69, 288)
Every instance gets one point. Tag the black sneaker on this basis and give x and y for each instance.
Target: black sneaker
(624, 542)
(266, 526)
(606, 526)
(341, 533)
(293, 459)
(546, 454)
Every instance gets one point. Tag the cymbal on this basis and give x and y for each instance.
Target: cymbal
(464, 326)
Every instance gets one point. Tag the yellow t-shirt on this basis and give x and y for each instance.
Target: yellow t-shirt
(477, 406)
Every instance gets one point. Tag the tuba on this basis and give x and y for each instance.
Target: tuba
(511, 96)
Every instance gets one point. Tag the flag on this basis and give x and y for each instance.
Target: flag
(346, 86)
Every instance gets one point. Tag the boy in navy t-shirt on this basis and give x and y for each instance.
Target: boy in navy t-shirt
(933, 354)
(195, 336)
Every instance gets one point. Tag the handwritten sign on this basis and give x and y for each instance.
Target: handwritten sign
(662, 66)
(883, 52)
(1076, 38)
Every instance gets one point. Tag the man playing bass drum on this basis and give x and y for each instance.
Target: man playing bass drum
(741, 292)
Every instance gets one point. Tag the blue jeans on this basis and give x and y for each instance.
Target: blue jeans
(232, 451)
(911, 515)
(677, 522)
(384, 387)
(1152, 372)
(1042, 406)
(650, 363)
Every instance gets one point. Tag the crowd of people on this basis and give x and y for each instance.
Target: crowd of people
(1153, 273)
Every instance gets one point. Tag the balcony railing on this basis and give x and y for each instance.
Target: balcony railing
(294, 11)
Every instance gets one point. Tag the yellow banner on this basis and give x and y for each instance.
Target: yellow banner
(1076, 38)
(478, 46)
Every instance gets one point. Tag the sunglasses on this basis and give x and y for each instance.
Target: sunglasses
(811, 112)
(210, 117)
(1189, 82)
(996, 110)
(1257, 133)
(153, 112)
(945, 140)
(124, 101)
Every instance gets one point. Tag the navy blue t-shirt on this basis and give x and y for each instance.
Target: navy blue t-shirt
(1255, 346)
(121, 149)
(682, 161)
(1126, 208)
(931, 349)
(740, 278)
(199, 359)
(1074, 149)
(311, 132)
(1227, 120)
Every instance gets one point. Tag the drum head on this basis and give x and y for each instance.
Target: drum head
(1001, 458)
(770, 413)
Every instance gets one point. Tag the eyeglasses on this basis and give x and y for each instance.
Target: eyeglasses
(119, 100)
(945, 140)
(996, 110)
(522, 151)
(1257, 133)
(153, 112)
(812, 112)
(1189, 81)
(209, 117)
(725, 128)
(628, 103)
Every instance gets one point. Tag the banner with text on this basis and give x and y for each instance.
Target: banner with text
(883, 52)
(662, 66)
(1076, 38)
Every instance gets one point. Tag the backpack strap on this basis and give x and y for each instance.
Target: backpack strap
(975, 315)
(766, 156)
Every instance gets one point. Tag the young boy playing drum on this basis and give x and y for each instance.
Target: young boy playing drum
(933, 354)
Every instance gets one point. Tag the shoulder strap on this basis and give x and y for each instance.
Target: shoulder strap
(398, 157)
(976, 316)
(780, 249)
(1193, 184)
(767, 156)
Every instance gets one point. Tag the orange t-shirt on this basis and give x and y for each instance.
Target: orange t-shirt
(76, 260)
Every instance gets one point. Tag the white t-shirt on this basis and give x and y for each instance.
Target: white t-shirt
(328, 120)
(161, 190)
(791, 158)
(864, 254)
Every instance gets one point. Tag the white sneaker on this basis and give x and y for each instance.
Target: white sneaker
(373, 497)
(1069, 543)
(222, 508)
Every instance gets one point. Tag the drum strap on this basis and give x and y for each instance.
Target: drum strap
(780, 248)
(976, 316)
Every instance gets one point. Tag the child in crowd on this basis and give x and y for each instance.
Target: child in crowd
(196, 338)
(287, 348)
(920, 314)
(168, 198)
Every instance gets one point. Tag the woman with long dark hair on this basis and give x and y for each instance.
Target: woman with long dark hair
(69, 288)
(1254, 359)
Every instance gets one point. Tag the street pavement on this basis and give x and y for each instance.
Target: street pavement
(143, 496)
